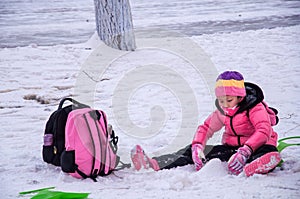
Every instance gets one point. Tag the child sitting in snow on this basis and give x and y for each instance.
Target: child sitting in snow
(248, 143)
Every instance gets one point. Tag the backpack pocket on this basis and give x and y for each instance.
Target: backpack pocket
(48, 154)
(68, 161)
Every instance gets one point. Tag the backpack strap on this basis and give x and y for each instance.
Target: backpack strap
(122, 166)
(96, 146)
(83, 175)
(75, 103)
(114, 141)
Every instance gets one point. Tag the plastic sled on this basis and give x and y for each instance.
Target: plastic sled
(282, 145)
(47, 193)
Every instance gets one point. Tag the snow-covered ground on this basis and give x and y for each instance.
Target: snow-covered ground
(34, 78)
(267, 57)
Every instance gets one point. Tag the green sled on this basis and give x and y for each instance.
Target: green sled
(282, 145)
(47, 193)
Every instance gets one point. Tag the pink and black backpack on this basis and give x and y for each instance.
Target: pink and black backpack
(90, 149)
(89, 143)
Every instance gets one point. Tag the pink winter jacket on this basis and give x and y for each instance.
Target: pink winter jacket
(253, 131)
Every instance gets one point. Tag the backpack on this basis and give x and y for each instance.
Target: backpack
(273, 114)
(80, 140)
(54, 135)
(90, 145)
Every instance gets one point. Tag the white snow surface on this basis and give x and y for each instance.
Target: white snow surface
(269, 58)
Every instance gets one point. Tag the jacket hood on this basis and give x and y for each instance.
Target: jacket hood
(254, 96)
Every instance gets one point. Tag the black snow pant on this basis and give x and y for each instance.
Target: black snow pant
(223, 152)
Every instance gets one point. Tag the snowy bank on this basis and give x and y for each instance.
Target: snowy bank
(34, 78)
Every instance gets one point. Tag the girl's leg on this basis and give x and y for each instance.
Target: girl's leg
(262, 151)
(263, 161)
(184, 156)
(222, 152)
(180, 158)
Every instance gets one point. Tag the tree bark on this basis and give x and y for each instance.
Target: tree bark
(114, 24)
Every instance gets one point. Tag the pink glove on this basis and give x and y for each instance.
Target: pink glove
(238, 160)
(198, 155)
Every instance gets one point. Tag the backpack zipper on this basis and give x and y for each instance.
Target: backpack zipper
(107, 140)
(94, 148)
(102, 155)
(103, 163)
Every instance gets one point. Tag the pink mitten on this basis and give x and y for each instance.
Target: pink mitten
(198, 155)
(238, 160)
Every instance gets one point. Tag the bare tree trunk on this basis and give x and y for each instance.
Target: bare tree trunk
(114, 23)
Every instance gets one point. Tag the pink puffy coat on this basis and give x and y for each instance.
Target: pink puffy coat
(253, 129)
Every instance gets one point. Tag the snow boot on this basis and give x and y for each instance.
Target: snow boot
(140, 159)
(263, 164)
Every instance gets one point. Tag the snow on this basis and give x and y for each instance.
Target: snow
(73, 21)
(138, 97)
(172, 11)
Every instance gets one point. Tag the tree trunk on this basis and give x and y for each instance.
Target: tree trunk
(114, 23)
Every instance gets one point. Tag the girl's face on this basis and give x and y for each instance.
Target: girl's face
(229, 101)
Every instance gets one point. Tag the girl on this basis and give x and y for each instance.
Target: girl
(248, 142)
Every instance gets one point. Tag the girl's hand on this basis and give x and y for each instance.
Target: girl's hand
(198, 155)
(238, 160)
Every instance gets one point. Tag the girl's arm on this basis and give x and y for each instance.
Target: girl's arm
(205, 131)
(260, 119)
